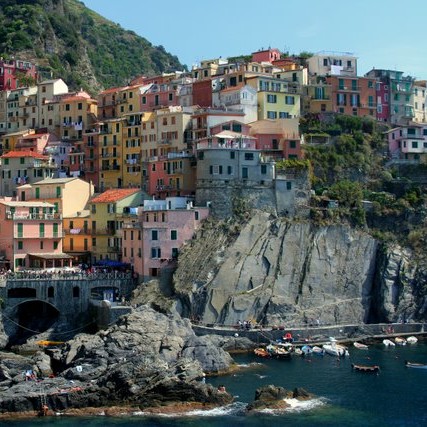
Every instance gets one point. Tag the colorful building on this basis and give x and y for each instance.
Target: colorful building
(108, 211)
(24, 167)
(31, 235)
(153, 236)
(332, 64)
(14, 72)
(408, 142)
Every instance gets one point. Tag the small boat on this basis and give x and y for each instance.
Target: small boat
(318, 350)
(416, 365)
(261, 352)
(306, 349)
(360, 346)
(412, 340)
(365, 368)
(45, 343)
(388, 343)
(334, 349)
(400, 341)
(299, 352)
(278, 352)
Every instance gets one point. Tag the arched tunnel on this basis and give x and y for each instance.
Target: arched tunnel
(31, 318)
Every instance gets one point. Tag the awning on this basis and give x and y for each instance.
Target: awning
(54, 255)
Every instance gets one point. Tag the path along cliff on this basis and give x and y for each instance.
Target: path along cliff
(274, 271)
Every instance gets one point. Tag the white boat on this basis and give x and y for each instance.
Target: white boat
(412, 340)
(360, 346)
(389, 343)
(318, 350)
(334, 349)
(400, 341)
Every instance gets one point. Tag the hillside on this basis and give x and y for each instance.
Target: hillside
(76, 44)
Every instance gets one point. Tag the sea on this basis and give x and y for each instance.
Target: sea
(396, 396)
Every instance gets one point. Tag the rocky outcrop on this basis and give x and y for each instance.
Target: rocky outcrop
(273, 397)
(400, 292)
(279, 272)
(146, 360)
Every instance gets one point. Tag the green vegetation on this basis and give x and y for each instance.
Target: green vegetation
(350, 168)
(71, 42)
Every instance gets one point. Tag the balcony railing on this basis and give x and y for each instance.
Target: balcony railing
(111, 168)
(33, 216)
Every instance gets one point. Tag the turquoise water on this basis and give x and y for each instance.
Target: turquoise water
(397, 396)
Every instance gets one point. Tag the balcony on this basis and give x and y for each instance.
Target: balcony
(33, 216)
(103, 232)
(111, 168)
(77, 231)
(349, 88)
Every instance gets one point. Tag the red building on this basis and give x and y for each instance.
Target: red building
(268, 55)
(11, 71)
(202, 93)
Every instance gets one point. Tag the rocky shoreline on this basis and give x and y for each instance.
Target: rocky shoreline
(146, 362)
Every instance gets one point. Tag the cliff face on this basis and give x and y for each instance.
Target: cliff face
(278, 272)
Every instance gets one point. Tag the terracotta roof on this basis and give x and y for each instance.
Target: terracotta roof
(78, 98)
(114, 195)
(18, 154)
(34, 135)
(111, 90)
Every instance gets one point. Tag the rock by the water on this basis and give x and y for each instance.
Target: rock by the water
(273, 397)
(146, 360)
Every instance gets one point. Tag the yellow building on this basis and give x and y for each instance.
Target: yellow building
(131, 143)
(107, 214)
(77, 112)
(77, 240)
(110, 154)
(317, 98)
(9, 140)
(277, 98)
(68, 195)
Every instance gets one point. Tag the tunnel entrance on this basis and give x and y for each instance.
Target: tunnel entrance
(32, 318)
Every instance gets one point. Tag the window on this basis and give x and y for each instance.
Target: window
(249, 156)
(37, 193)
(93, 208)
(290, 100)
(20, 229)
(41, 230)
(174, 235)
(341, 84)
(354, 85)
(55, 245)
(156, 253)
(232, 154)
(80, 106)
(55, 229)
(93, 242)
(41, 244)
(370, 84)
(288, 185)
(230, 170)
(292, 144)
(414, 144)
(22, 160)
(272, 99)
(174, 253)
(196, 215)
(20, 245)
(154, 235)
(263, 169)
(76, 292)
(271, 115)
(283, 115)
(58, 191)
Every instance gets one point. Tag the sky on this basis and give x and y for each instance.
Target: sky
(385, 34)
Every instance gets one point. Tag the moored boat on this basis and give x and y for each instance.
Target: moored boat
(400, 341)
(279, 352)
(416, 365)
(318, 350)
(261, 352)
(412, 340)
(365, 368)
(334, 349)
(360, 346)
(388, 343)
(306, 349)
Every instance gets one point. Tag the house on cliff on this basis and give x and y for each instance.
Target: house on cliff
(154, 233)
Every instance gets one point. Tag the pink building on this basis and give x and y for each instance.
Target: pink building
(11, 71)
(152, 238)
(408, 142)
(268, 55)
(31, 235)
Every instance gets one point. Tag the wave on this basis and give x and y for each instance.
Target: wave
(296, 405)
(233, 409)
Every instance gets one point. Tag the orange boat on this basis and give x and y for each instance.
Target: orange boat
(262, 352)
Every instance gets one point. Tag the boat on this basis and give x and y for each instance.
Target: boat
(412, 340)
(334, 349)
(45, 343)
(278, 352)
(400, 341)
(306, 349)
(318, 350)
(360, 346)
(416, 365)
(261, 352)
(365, 368)
(388, 343)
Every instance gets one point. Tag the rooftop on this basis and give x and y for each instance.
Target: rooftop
(18, 154)
(114, 195)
